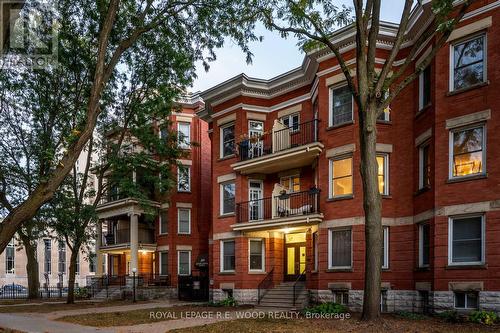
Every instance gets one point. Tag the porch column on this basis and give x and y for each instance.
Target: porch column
(98, 244)
(134, 241)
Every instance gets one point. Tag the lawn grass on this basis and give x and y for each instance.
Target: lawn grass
(388, 323)
(143, 316)
(38, 307)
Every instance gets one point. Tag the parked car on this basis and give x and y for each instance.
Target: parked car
(13, 289)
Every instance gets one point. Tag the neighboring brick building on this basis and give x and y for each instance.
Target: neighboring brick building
(176, 244)
(287, 194)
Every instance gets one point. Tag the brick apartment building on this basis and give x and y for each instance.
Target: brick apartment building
(176, 242)
(287, 193)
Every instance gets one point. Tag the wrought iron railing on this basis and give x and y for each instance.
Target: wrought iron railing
(298, 286)
(265, 285)
(285, 205)
(278, 140)
(122, 236)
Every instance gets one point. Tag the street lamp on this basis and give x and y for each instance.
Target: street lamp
(134, 270)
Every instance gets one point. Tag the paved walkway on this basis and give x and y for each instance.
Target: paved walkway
(45, 322)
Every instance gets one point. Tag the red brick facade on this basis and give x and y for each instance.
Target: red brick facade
(306, 91)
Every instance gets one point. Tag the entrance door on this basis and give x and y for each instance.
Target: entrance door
(255, 197)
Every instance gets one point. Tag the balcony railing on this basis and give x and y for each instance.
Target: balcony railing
(122, 236)
(280, 139)
(285, 205)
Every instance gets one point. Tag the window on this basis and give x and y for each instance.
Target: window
(315, 249)
(340, 105)
(184, 135)
(424, 88)
(341, 297)
(341, 171)
(424, 244)
(77, 267)
(228, 259)
(466, 300)
(467, 147)
(385, 248)
(386, 115)
(424, 166)
(163, 263)
(62, 257)
(184, 221)
(255, 128)
(47, 256)
(92, 262)
(383, 174)
(466, 240)
(227, 141)
(228, 191)
(164, 221)
(256, 255)
(184, 262)
(291, 183)
(183, 178)
(163, 133)
(10, 257)
(291, 121)
(340, 248)
(469, 62)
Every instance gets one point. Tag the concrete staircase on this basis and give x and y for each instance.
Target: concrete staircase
(281, 297)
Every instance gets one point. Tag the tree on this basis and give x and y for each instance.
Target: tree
(313, 22)
(103, 37)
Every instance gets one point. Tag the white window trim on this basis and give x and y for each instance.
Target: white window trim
(161, 263)
(290, 181)
(289, 117)
(263, 241)
(421, 244)
(188, 167)
(421, 164)
(222, 270)
(332, 195)
(256, 121)
(421, 87)
(466, 305)
(450, 150)
(330, 265)
(221, 139)
(183, 145)
(179, 262)
(179, 221)
(386, 172)
(451, 72)
(162, 232)
(316, 251)
(385, 264)
(221, 198)
(330, 104)
(450, 241)
(13, 245)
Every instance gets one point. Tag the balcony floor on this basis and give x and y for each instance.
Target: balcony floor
(282, 222)
(287, 159)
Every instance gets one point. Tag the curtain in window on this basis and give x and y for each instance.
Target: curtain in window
(341, 248)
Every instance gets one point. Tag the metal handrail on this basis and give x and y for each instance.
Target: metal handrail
(295, 286)
(265, 284)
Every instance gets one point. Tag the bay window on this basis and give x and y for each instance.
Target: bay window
(184, 221)
(184, 262)
(256, 255)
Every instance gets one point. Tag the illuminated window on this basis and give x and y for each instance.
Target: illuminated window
(468, 62)
(383, 174)
(341, 171)
(385, 248)
(291, 183)
(468, 152)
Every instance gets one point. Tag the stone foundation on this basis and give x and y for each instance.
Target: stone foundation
(242, 296)
(410, 300)
(148, 293)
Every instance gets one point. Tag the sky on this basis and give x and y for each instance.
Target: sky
(273, 56)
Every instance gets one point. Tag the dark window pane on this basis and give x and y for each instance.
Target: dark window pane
(467, 240)
(469, 63)
(425, 244)
(341, 105)
(341, 248)
(460, 300)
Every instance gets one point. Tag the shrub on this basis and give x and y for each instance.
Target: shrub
(450, 316)
(82, 293)
(328, 307)
(483, 317)
(410, 315)
(230, 301)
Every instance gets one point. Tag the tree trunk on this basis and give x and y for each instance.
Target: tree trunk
(72, 273)
(372, 208)
(31, 267)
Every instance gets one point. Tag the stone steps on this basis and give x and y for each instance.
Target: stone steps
(281, 297)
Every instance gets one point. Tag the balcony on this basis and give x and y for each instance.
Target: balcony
(280, 210)
(122, 236)
(283, 148)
